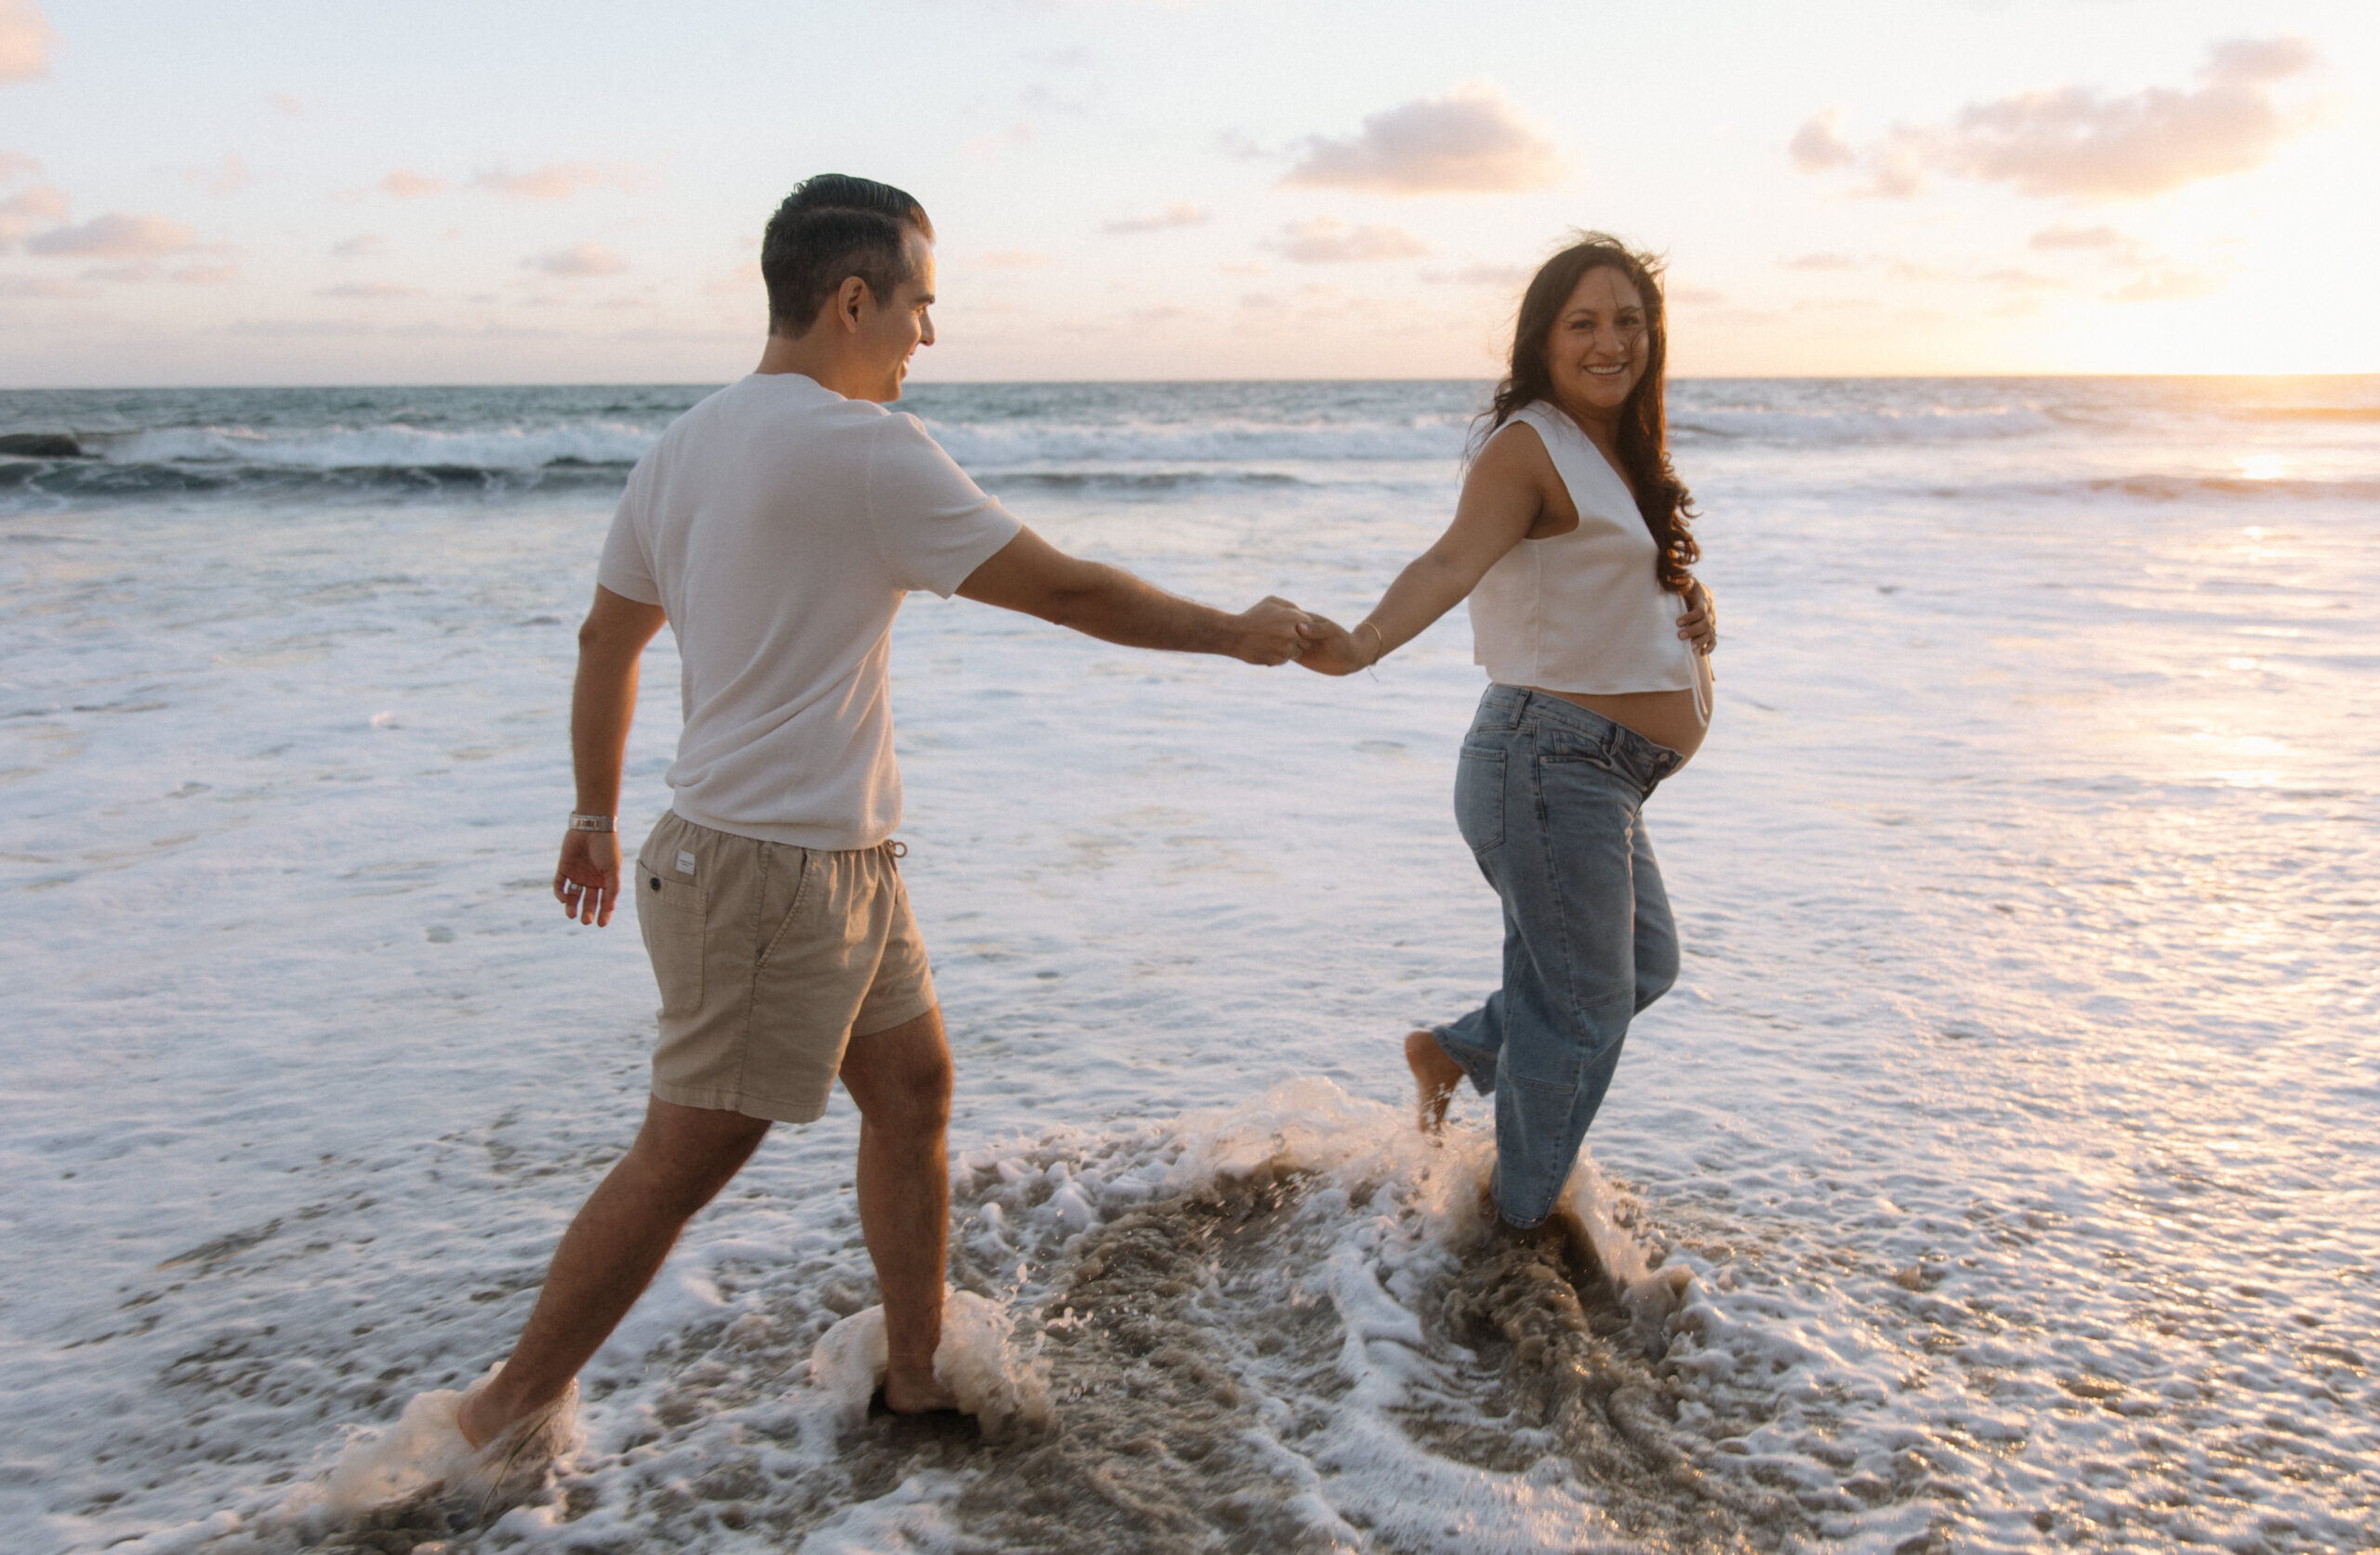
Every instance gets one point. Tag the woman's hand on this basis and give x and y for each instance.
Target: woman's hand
(1331, 650)
(1699, 625)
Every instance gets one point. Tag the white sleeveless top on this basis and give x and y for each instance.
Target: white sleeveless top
(1583, 611)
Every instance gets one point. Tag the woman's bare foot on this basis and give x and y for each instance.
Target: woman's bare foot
(1434, 1076)
(914, 1390)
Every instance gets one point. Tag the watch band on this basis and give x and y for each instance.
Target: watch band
(582, 821)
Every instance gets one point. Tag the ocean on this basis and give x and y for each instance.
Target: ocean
(2012, 1127)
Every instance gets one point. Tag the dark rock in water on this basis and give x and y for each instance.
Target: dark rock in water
(41, 445)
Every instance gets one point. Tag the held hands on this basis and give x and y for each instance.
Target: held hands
(1273, 631)
(1699, 623)
(587, 881)
(1335, 650)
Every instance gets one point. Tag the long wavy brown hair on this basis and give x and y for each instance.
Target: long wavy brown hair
(1667, 506)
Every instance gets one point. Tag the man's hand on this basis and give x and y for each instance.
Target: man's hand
(1272, 631)
(1699, 623)
(1332, 650)
(587, 881)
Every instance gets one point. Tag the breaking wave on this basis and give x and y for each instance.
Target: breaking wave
(1293, 1325)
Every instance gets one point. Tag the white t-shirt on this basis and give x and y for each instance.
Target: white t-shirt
(778, 525)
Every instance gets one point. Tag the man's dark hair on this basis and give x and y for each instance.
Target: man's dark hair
(829, 228)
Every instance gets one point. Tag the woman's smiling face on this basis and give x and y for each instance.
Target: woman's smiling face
(1597, 350)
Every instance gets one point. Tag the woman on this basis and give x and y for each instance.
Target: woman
(1571, 541)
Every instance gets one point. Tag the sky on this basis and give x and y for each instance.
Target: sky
(279, 192)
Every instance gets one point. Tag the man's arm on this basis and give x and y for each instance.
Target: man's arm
(1032, 576)
(602, 704)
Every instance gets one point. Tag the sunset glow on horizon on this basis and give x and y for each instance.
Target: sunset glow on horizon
(431, 192)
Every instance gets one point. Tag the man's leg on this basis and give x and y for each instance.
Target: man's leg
(681, 1158)
(901, 1079)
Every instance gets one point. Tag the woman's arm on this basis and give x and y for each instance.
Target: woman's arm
(1503, 498)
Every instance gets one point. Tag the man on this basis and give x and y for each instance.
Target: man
(775, 527)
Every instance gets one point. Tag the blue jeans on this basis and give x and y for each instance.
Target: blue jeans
(1550, 797)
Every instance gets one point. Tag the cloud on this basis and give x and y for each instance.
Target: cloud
(287, 103)
(2075, 142)
(1819, 145)
(588, 259)
(367, 291)
(739, 281)
(25, 37)
(2024, 281)
(2104, 240)
(45, 286)
(1693, 297)
(1181, 213)
(15, 166)
(1819, 261)
(206, 275)
(113, 236)
(406, 184)
(988, 146)
(228, 177)
(2169, 286)
(1328, 241)
(1511, 277)
(358, 247)
(560, 181)
(1011, 259)
(1472, 141)
(21, 212)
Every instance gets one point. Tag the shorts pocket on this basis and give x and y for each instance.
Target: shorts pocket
(670, 915)
(1479, 798)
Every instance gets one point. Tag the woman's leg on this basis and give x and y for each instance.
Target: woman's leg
(1657, 957)
(1570, 886)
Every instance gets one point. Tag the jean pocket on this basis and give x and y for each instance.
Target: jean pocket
(1479, 798)
(671, 915)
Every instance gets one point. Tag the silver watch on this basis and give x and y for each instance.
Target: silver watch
(581, 822)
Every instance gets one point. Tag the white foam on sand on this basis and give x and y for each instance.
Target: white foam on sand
(1002, 1384)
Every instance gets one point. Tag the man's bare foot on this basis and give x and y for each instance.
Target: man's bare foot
(476, 1418)
(913, 1390)
(489, 1414)
(1435, 1076)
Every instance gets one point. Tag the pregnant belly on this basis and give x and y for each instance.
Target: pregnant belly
(1665, 717)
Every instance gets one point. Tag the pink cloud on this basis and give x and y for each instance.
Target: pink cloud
(560, 181)
(367, 291)
(228, 177)
(1819, 261)
(1474, 141)
(585, 259)
(1181, 213)
(2076, 142)
(2104, 239)
(2169, 286)
(21, 212)
(1326, 241)
(113, 236)
(206, 275)
(406, 184)
(1819, 145)
(25, 39)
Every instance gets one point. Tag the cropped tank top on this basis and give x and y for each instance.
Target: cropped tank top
(1583, 611)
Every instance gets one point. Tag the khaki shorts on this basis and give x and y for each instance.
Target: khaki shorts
(771, 959)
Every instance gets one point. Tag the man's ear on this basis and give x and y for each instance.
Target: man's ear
(849, 299)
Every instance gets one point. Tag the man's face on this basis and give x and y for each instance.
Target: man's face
(891, 332)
